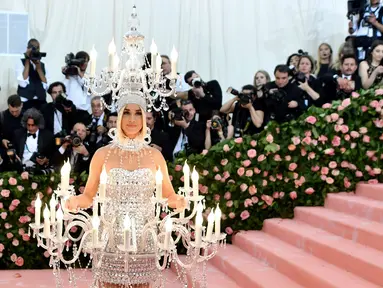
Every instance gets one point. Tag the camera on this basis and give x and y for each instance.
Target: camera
(73, 139)
(243, 98)
(92, 128)
(11, 153)
(216, 123)
(276, 95)
(178, 114)
(297, 76)
(35, 53)
(62, 100)
(71, 64)
(198, 83)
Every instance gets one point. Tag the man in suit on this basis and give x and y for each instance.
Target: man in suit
(96, 124)
(79, 155)
(34, 145)
(160, 139)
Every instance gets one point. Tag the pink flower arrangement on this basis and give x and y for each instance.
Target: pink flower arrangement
(5, 193)
(241, 171)
(249, 173)
(292, 166)
(269, 138)
(296, 140)
(226, 148)
(251, 153)
(24, 175)
(229, 230)
(327, 106)
(293, 195)
(243, 187)
(227, 196)
(261, 158)
(246, 163)
(253, 143)
(311, 120)
(237, 154)
(238, 140)
(244, 215)
(12, 181)
(224, 162)
(268, 199)
(309, 191)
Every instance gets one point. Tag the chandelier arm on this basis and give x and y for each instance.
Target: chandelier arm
(79, 250)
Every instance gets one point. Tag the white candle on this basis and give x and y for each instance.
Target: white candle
(168, 232)
(52, 205)
(153, 52)
(186, 171)
(198, 228)
(182, 214)
(217, 228)
(103, 180)
(59, 224)
(47, 224)
(65, 173)
(127, 225)
(173, 59)
(93, 59)
(116, 63)
(210, 224)
(37, 210)
(95, 225)
(134, 235)
(195, 182)
(158, 63)
(159, 184)
(112, 52)
(95, 206)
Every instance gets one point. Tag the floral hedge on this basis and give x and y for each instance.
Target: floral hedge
(326, 150)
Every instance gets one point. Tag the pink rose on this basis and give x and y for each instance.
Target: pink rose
(215, 169)
(296, 140)
(243, 187)
(374, 104)
(19, 261)
(227, 196)
(366, 139)
(328, 119)
(353, 145)
(277, 158)
(344, 164)
(334, 117)
(336, 141)
(309, 191)
(248, 203)
(252, 190)
(13, 257)
(25, 237)
(287, 157)
(226, 174)
(244, 215)
(293, 195)
(204, 151)
(315, 168)
(9, 235)
(378, 92)
(275, 195)
(358, 174)
(329, 180)
(237, 155)
(254, 199)
(346, 182)
(204, 189)
(265, 173)
(251, 153)
(249, 173)
(344, 129)
(229, 203)
(256, 170)
(241, 171)
(178, 168)
(264, 183)
(49, 190)
(261, 158)
(346, 102)
(332, 165)
(324, 171)
(1, 247)
(24, 175)
(205, 172)
(246, 163)
(229, 231)
(311, 155)
(21, 232)
(226, 148)
(224, 162)
(15, 202)
(311, 120)
(253, 143)
(363, 130)
(327, 106)
(377, 171)
(355, 95)
(340, 121)
(272, 178)
(31, 209)
(71, 181)
(291, 147)
(231, 215)
(292, 166)
(5, 193)
(7, 226)
(217, 177)
(329, 151)
(364, 108)
(268, 199)
(335, 172)
(12, 181)
(303, 152)
(20, 188)
(306, 140)
(238, 140)
(15, 242)
(347, 137)
(3, 215)
(1, 205)
(12, 208)
(217, 197)
(46, 254)
(281, 195)
(378, 123)
(322, 139)
(269, 138)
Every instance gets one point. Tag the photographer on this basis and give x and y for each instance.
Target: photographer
(366, 26)
(111, 122)
(31, 77)
(96, 122)
(187, 134)
(75, 149)
(205, 96)
(261, 78)
(160, 139)
(304, 79)
(34, 145)
(217, 130)
(74, 73)
(371, 70)
(343, 83)
(284, 100)
(247, 109)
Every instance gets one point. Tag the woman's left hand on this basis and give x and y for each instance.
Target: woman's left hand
(304, 85)
(178, 202)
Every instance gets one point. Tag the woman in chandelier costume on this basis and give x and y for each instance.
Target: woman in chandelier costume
(131, 165)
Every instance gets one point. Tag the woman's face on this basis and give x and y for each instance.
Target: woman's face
(294, 61)
(324, 52)
(377, 53)
(132, 120)
(260, 79)
(305, 66)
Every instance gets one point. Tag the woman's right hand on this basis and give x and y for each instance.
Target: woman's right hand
(208, 124)
(72, 204)
(379, 70)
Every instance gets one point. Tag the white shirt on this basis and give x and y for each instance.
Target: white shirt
(30, 147)
(100, 122)
(182, 140)
(77, 92)
(57, 121)
(366, 30)
(348, 77)
(25, 82)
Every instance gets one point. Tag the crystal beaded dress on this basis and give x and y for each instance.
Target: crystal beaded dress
(128, 193)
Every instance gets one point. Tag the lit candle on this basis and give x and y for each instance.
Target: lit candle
(217, 228)
(95, 225)
(173, 59)
(47, 224)
(103, 180)
(127, 225)
(159, 184)
(65, 173)
(37, 210)
(168, 232)
(158, 64)
(134, 235)
(52, 205)
(112, 52)
(198, 228)
(195, 182)
(93, 59)
(153, 52)
(186, 171)
(210, 223)
(59, 227)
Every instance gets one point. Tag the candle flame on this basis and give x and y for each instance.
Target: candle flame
(103, 176)
(174, 55)
(112, 47)
(59, 214)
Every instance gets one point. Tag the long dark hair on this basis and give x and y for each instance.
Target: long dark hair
(374, 44)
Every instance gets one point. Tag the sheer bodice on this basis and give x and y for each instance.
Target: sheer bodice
(370, 70)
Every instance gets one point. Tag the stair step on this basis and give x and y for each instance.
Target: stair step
(248, 271)
(356, 258)
(355, 205)
(372, 191)
(215, 277)
(302, 267)
(359, 230)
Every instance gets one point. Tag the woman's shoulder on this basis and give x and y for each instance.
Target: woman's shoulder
(157, 155)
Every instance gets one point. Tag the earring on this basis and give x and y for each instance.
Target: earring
(148, 138)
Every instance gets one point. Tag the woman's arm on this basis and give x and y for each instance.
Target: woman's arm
(230, 132)
(207, 139)
(366, 81)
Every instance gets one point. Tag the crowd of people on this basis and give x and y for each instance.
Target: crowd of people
(38, 137)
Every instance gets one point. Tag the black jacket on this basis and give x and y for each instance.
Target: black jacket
(81, 164)
(35, 86)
